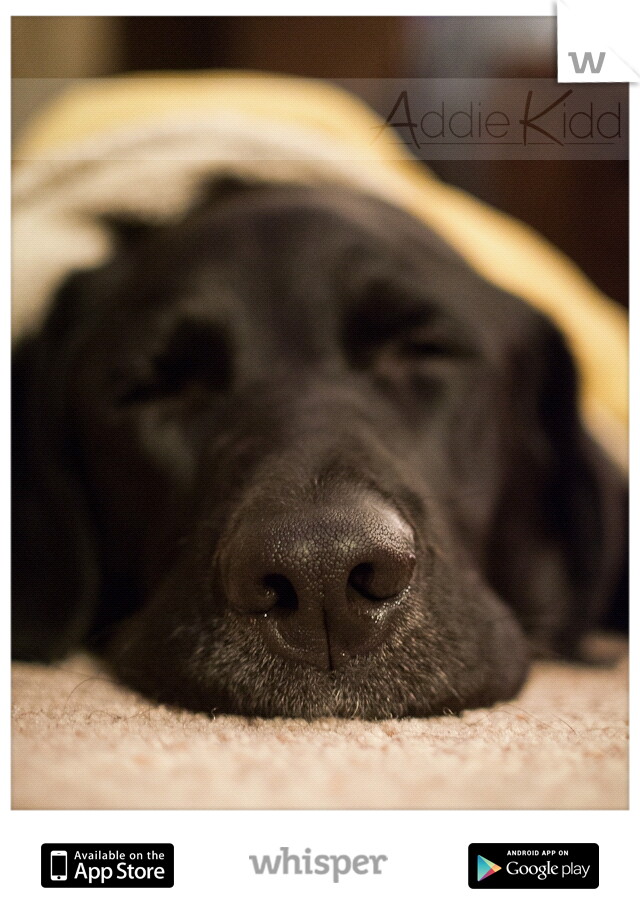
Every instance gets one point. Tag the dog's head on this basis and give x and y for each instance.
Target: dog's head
(291, 456)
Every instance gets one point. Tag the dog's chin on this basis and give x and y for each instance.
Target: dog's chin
(419, 671)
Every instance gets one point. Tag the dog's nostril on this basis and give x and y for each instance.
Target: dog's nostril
(383, 580)
(360, 578)
(286, 599)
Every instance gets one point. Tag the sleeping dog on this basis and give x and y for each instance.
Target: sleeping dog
(290, 456)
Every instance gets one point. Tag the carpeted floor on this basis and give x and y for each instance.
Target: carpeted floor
(80, 741)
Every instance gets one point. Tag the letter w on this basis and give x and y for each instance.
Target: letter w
(271, 867)
(587, 59)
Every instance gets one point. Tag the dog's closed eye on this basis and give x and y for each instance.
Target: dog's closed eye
(197, 359)
(419, 360)
(425, 343)
(391, 324)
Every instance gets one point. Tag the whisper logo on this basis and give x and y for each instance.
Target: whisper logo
(334, 866)
(486, 867)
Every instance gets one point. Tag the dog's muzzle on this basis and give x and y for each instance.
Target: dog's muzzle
(320, 583)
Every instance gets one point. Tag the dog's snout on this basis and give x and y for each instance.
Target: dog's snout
(320, 583)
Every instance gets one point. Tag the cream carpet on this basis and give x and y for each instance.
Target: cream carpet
(79, 741)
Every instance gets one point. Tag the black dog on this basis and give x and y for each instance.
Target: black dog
(291, 456)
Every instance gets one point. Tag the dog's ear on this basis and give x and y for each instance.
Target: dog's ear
(54, 571)
(559, 549)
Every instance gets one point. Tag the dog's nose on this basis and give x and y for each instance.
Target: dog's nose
(321, 585)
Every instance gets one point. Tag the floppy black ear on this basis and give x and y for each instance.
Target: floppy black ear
(54, 570)
(560, 542)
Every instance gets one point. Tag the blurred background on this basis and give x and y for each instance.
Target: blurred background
(581, 206)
